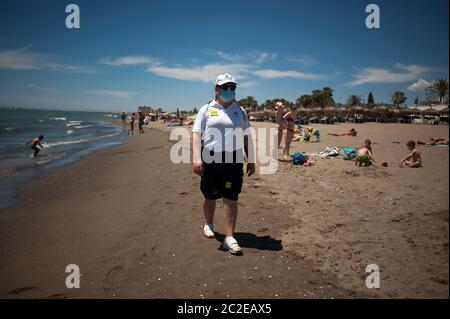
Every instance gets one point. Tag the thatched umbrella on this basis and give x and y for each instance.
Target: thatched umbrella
(413, 111)
(302, 110)
(444, 111)
(355, 110)
(317, 111)
(430, 111)
(381, 108)
(330, 111)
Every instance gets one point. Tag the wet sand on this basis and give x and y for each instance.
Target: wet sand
(132, 220)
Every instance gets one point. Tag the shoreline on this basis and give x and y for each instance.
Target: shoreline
(14, 177)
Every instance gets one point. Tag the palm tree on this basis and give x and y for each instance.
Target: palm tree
(370, 100)
(304, 101)
(317, 98)
(327, 97)
(398, 98)
(354, 100)
(249, 103)
(438, 90)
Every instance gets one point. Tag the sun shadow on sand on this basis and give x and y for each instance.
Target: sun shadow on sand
(249, 240)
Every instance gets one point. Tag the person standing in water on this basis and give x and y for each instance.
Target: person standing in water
(133, 118)
(35, 144)
(218, 157)
(141, 122)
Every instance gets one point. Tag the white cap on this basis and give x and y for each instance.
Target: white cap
(225, 78)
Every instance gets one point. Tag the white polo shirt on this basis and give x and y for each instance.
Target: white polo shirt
(217, 125)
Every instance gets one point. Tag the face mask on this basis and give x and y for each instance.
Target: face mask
(228, 95)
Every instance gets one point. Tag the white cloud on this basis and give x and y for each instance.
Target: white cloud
(115, 94)
(264, 57)
(23, 59)
(304, 60)
(130, 60)
(403, 73)
(420, 85)
(205, 73)
(247, 84)
(208, 73)
(41, 88)
(257, 57)
(277, 74)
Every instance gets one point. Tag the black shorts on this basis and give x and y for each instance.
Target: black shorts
(222, 180)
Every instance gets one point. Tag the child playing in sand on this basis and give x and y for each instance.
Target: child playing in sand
(364, 155)
(35, 142)
(413, 159)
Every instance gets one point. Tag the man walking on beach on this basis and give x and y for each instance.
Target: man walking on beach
(218, 160)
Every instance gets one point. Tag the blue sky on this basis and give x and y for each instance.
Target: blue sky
(168, 53)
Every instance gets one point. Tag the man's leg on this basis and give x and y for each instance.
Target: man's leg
(209, 207)
(230, 212)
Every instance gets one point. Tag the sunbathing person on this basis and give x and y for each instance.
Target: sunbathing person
(352, 132)
(364, 155)
(413, 159)
(434, 141)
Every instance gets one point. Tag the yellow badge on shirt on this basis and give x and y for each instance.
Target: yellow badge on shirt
(214, 113)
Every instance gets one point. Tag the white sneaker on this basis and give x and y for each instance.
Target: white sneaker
(231, 244)
(208, 230)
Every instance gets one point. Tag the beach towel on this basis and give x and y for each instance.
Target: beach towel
(348, 153)
(299, 158)
(327, 153)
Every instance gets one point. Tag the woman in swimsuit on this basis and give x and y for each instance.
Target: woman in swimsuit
(434, 141)
(133, 118)
(290, 127)
(280, 122)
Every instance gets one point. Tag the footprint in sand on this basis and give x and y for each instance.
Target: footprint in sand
(21, 290)
(113, 272)
(59, 296)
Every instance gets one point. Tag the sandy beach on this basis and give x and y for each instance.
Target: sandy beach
(132, 220)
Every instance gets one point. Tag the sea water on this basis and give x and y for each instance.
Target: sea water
(69, 135)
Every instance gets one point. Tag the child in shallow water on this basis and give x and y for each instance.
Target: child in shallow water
(35, 142)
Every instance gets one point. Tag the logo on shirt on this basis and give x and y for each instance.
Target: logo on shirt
(214, 113)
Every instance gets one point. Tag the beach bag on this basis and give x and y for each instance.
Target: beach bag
(299, 158)
(348, 153)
